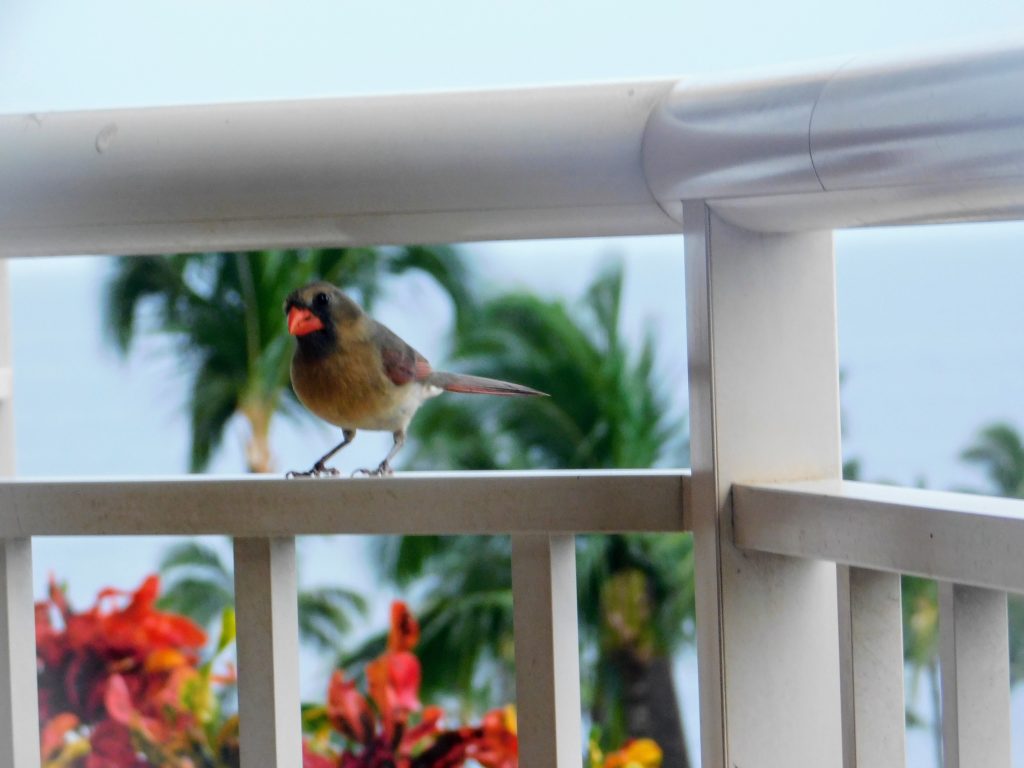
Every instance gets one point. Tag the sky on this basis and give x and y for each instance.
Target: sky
(928, 318)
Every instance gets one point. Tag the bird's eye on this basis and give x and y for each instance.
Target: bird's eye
(320, 300)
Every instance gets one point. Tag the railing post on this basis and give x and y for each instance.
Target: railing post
(975, 667)
(19, 697)
(547, 650)
(6, 377)
(871, 653)
(764, 405)
(266, 602)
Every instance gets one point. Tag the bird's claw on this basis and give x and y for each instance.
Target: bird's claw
(318, 470)
(382, 471)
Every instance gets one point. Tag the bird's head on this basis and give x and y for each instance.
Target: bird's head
(317, 313)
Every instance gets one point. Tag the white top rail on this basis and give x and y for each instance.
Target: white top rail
(410, 503)
(864, 141)
(859, 142)
(417, 168)
(968, 539)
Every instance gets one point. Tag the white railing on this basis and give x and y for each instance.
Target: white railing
(800, 660)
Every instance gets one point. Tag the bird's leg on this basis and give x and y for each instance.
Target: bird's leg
(319, 468)
(385, 466)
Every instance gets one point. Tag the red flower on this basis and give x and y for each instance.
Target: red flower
(131, 639)
(394, 677)
(311, 759)
(112, 747)
(397, 738)
(121, 710)
(394, 680)
(405, 630)
(495, 743)
(348, 710)
(51, 737)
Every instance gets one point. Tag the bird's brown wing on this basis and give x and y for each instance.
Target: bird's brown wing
(402, 363)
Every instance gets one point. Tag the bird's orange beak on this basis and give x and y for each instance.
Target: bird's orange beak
(302, 321)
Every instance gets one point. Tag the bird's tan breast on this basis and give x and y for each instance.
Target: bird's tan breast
(349, 389)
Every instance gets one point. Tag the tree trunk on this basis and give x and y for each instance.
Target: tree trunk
(257, 448)
(651, 707)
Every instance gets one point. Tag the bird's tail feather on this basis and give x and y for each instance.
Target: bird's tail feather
(479, 385)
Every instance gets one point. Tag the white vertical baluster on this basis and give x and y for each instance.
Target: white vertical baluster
(975, 661)
(547, 650)
(19, 713)
(764, 405)
(6, 406)
(19, 710)
(6, 379)
(266, 601)
(871, 652)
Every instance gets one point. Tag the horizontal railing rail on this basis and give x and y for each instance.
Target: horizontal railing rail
(959, 537)
(971, 544)
(541, 511)
(856, 142)
(410, 503)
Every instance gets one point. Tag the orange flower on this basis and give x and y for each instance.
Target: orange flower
(638, 753)
(405, 630)
(53, 733)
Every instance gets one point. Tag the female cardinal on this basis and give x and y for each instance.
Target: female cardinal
(355, 373)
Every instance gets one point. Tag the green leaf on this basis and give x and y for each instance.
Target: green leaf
(228, 630)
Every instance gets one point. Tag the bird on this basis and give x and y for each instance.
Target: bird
(355, 373)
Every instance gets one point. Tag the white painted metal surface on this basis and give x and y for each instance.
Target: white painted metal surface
(959, 537)
(408, 503)
(764, 403)
(19, 711)
(871, 654)
(19, 722)
(547, 650)
(266, 602)
(844, 144)
(542, 162)
(897, 140)
(6, 378)
(975, 660)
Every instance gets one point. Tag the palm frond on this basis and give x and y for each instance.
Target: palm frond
(999, 450)
(195, 555)
(326, 615)
(215, 398)
(200, 599)
(197, 581)
(134, 280)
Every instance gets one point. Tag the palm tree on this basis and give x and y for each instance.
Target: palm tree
(223, 310)
(200, 584)
(999, 451)
(605, 410)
